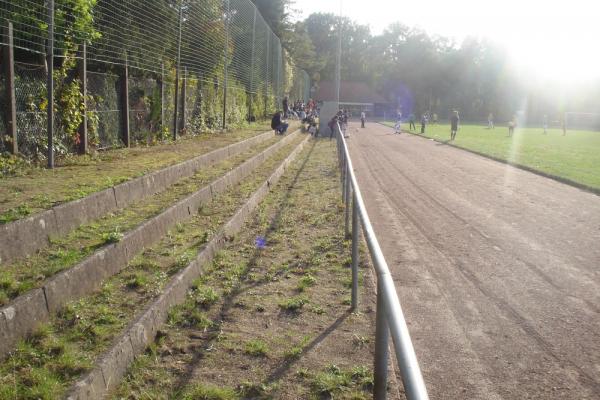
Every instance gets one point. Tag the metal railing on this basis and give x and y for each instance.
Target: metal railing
(389, 318)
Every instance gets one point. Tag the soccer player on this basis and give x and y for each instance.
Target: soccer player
(398, 126)
(511, 126)
(411, 120)
(423, 123)
(490, 121)
(545, 123)
(454, 120)
(363, 118)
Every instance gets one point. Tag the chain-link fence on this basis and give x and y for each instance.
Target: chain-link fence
(230, 66)
(103, 113)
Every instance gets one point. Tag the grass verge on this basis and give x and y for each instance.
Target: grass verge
(260, 336)
(575, 156)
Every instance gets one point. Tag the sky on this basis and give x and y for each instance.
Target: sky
(551, 39)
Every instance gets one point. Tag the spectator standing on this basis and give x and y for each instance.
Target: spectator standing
(423, 123)
(285, 106)
(331, 125)
(363, 119)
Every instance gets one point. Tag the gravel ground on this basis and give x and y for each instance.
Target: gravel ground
(497, 269)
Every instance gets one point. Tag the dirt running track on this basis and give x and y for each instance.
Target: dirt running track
(497, 269)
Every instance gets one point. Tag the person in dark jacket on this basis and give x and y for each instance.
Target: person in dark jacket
(277, 123)
(332, 123)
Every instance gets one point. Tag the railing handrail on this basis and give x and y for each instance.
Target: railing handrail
(410, 371)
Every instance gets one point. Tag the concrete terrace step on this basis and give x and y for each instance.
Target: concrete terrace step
(113, 364)
(23, 237)
(22, 315)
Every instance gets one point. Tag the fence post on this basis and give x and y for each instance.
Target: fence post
(382, 335)
(175, 119)
(161, 88)
(50, 83)
(125, 105)
(82, 72)
(225, 58)
(9, 74)
(267, 76)
(355, 231)
(183, 96)
(252, 66)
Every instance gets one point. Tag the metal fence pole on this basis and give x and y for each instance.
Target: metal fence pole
(9, 73)
(347, 214)
(252, 65)
(161, 88)
(183, 99)
(267, 77)
(382, 335)
(355, 255)
(177, 66)
(225, 58)
(125, 128)
(50, 83)
(82, 71)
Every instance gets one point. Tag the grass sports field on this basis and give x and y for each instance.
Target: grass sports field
(575, 156)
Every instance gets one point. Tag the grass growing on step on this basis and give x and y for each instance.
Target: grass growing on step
(256, 348)
(23, 275)
(305, 282)
(293, 304)
(207, 392)
(40, 188)
(113, 236)
(89, 325)
(296, 351)
(334, 382)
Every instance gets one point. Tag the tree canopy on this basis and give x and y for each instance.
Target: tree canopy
(422, 73)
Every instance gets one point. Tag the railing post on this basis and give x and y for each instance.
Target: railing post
(343, 182)
(125, 134)
(50, 84)
(355, 231)
(82, 71)
(382, 335)
(9, 73)
(347, 196)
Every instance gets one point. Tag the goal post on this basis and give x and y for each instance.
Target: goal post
(581, 120)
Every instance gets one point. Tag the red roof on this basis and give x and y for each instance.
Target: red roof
(350, 92)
